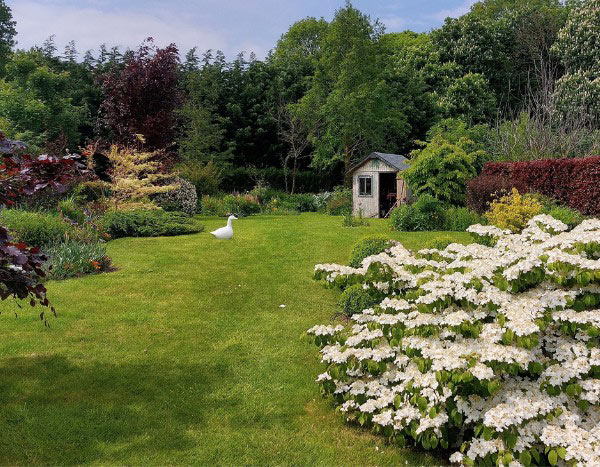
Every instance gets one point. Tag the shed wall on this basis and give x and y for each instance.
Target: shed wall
(368, 204)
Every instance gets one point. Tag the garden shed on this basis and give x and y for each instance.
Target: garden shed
(377, 184)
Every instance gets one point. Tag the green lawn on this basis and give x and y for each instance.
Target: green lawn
(183, 355)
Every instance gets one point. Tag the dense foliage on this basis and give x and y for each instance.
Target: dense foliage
(135, 177)
(491, 352)
(141, 98)
(21, 266)
(513, 211)
(368, 246)
(427, 213)
(572, 182)
(578, 91)
(35, 228)
(442, 168)
(21, 272)
(183, 198)
(149, 223)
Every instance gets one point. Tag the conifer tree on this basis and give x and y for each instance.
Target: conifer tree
(136, 177)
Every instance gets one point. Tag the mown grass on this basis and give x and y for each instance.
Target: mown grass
(183, 355)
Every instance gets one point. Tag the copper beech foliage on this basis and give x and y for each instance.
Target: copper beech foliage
(21, 270)
(141, 98)
(574, 182)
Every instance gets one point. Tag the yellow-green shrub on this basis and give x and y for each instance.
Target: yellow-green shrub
(513, 211)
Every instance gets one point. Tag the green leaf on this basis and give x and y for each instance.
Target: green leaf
(511, 441)
(552, 457)
(562, 452)
(525, 458)
(397, 401)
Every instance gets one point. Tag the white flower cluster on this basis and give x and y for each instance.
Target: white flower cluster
(493, 349)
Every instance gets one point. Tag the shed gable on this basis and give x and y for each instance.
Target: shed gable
(375, 165)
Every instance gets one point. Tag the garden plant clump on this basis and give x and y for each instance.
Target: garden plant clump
(490, 352)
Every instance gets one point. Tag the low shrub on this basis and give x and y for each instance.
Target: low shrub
(569, 216)
(513, 211)
(368, 246)
(149, 223)
(339, 202)
(458, 219)
(303, 202)
(265, 194)
(72, 211)
(355, 299)
(242, 205)
(182, 199)
(498, 364)
(427, 213)
(90, 191)
(553, 208)
(278, 207)
(214, 206)
(35, 228)
(320, 200)
(206, 177)
(72, 258)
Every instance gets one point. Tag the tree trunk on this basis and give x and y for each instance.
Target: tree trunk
(294, 171)
(347, 176)
(285, 172)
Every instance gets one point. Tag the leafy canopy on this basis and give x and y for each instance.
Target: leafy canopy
(442, 169)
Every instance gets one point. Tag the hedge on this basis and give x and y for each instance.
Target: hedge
(572, 182)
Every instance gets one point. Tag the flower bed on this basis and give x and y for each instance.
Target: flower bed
(488, 351)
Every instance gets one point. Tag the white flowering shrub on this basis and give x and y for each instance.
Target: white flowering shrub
(183, 198)
(488, 351)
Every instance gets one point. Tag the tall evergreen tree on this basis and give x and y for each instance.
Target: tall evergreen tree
(7, 34)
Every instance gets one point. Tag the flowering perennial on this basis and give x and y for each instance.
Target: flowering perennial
(488, 351)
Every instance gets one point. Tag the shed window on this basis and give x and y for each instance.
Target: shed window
(365, 185)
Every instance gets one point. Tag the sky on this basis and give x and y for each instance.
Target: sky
(228, 25)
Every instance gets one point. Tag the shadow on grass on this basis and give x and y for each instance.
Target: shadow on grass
(54, 411)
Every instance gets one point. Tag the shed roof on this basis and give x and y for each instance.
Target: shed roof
(395, 160)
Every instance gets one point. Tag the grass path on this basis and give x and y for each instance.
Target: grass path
(184, 356)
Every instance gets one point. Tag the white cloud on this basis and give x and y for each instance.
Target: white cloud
(455, 12)
(394, 23)
(92, 26)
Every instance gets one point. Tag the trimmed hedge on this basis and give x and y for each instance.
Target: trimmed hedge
(572, 182)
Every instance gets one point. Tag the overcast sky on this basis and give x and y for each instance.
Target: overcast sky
(229, 25)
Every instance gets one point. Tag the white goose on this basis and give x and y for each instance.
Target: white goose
(225, 233)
